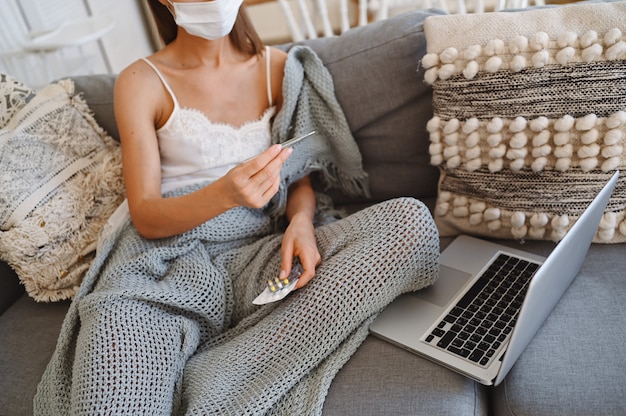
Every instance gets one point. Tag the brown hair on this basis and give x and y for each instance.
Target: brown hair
(243, 36)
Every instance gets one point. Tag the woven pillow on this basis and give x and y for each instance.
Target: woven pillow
(60, 176)
(529, 119)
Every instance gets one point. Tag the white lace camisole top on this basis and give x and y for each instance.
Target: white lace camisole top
(194, 149)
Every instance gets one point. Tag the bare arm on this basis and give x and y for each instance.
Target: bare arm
(299, 239)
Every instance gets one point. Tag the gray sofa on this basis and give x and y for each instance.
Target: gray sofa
(575, 365)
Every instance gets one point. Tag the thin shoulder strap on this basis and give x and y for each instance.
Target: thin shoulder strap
(268, 76)
(163, 80)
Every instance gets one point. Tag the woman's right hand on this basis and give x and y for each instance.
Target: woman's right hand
(254, 182)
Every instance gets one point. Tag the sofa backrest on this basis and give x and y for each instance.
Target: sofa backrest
(97, 90)
(379, 84)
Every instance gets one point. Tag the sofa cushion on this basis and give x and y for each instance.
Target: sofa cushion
(382, 379)
(379, 378)
(61, 179)
(575, 364)
(529, 119)
(379, 84)
(97, 91)
(10, 287)
(28, 331)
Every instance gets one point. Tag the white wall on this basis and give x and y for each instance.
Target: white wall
(126, 42)
(130, 39)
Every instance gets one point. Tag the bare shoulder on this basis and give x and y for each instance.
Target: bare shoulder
(278, 57)
(277, 62)
(136, 77)
(139, 91)
(140, 101)
(276, 52)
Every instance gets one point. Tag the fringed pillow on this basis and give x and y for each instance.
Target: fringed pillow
(60, 176)
(529, 119)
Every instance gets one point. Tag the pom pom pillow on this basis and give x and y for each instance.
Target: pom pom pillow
(61, 179)
(529, 119)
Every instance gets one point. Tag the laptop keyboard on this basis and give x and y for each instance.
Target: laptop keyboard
(482, 320)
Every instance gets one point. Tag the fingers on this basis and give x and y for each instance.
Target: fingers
(267, 166)
(308, 260)
(271, 159)
(307, 274)
(257, 180)
(267, 184)
(286, 260)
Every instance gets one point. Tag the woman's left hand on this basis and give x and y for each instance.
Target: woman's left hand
(299, 241)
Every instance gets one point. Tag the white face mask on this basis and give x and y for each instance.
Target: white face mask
(207, 19)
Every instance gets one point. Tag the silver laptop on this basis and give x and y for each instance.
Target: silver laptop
(489, 300)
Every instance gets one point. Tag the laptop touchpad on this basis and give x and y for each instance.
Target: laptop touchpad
(448, 284)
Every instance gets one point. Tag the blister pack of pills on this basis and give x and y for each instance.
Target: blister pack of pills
(278, 288)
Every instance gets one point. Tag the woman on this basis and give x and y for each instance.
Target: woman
(235, 83)
(164, 322)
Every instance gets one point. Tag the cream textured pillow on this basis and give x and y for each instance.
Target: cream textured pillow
(529, 119)
(60, 176)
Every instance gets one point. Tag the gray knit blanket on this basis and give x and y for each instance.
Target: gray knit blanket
(168, 326)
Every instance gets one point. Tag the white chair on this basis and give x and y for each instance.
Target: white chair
(312, 11)
(309, 19)
(381, 9)
(37, 59)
